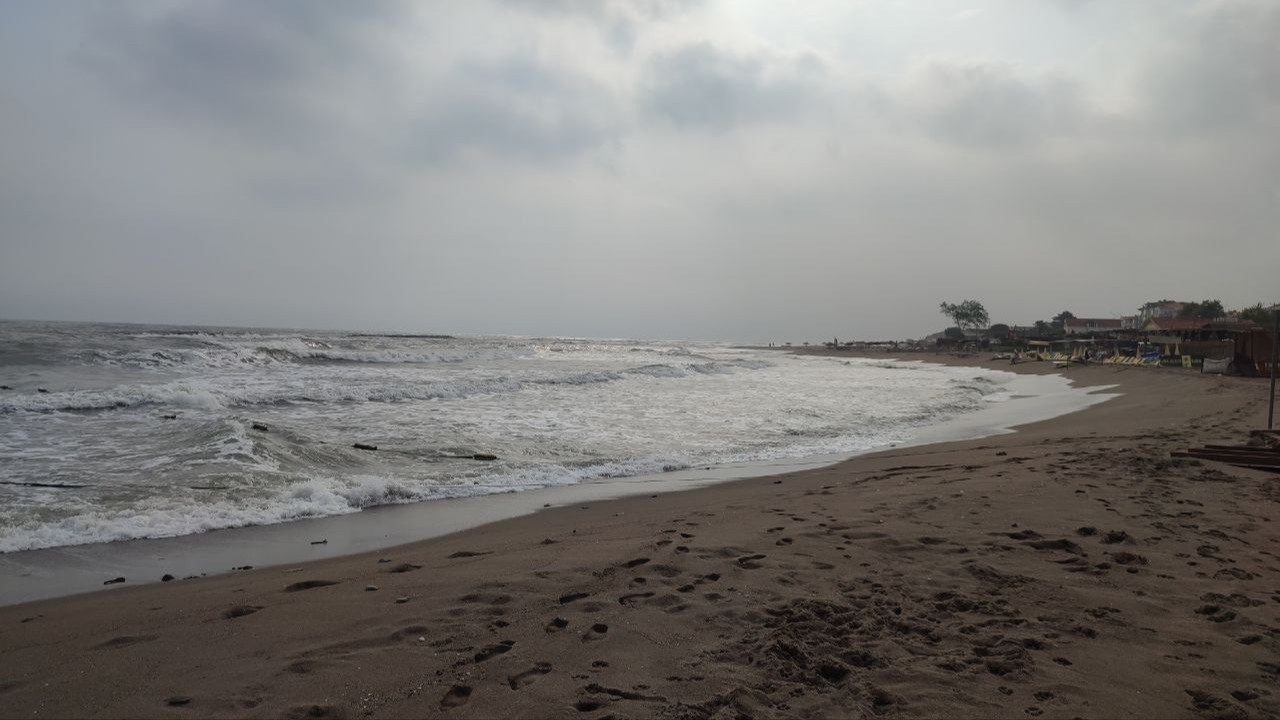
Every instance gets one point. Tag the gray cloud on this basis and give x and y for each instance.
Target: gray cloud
(984, 103)
(716, 170)
(518, 106)
(700, 85)
(265, 67)
(1220, 70)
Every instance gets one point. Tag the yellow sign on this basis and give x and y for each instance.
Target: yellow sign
(1186, 361)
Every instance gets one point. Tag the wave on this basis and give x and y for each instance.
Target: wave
(333, 493)
(300, 351)
(310, 498)
(211, 395)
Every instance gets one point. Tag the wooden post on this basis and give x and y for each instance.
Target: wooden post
(1275, 350)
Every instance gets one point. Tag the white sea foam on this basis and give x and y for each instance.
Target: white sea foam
(149, 434)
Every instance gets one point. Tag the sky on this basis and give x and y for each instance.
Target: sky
(679, 169)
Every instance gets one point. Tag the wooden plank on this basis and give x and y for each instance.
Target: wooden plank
(1268, 461)
(1262, 457)
(1245, 448)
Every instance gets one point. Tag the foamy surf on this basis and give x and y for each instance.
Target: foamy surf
(115, 433)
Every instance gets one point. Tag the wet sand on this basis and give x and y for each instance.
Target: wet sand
(1071, 569)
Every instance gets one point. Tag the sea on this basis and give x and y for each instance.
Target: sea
(114, 432)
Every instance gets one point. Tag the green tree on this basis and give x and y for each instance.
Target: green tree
(967, 315)
(1043, 328)
(954, 333)
(998, 331)
(1207, 310)
(1060, 320)
(1258, 315)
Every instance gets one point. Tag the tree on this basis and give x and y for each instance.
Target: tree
(998, 331)
(1061, 318)
(1206, 310)
(1043, 328)
(967, 315)
(1258, 315)
(954, 333)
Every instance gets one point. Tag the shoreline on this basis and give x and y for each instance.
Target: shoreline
(45, 573)
(873, 544)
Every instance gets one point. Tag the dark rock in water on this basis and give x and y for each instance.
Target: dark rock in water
(178, 700)
(320, 542)
(5, 387)
(170, 416)
(364, 446)
(484, 456)
(41, 390)
(114, 581)
(166, 578)
(261, 426)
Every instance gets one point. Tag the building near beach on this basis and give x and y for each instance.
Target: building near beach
(1159, 309)
(1196, 337)
(1090, 326)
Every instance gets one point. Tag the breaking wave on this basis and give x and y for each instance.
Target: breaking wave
(111, 433)
(197, 393)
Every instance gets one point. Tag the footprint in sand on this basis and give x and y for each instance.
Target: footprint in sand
(125, 641)
(519, 680)
(557, 624)
(634, 598)
(586, 705)
(493, 651)
(597, 632)
(302, 667)
(240, 611)
(457, 696)
(635, 563)
(404, 568)
(314, 711)
(309, 584)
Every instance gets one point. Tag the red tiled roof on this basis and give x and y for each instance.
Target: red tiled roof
(1230, 324)
(1091, 322)
(1179, 323)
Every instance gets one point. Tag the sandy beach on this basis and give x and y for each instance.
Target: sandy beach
(1070, 569)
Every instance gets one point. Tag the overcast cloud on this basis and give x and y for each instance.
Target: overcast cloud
(718, 170)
